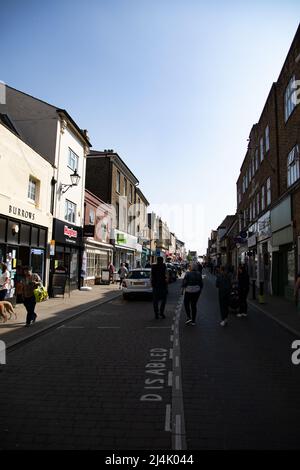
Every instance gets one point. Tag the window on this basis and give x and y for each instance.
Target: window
(125, 187)
(73, 160)
(268, 191)
(267, 138)
(117, 214)
(257, 204)
(289, 98)
(70, 211)
(249, 173)
(239, 197)
(256, 160)
(293, 166)
(130, 194)
(261, 145)
(262, 198)
(118, 182)
(32, 189)
(253, 209)
(253, 166)
(92, 217)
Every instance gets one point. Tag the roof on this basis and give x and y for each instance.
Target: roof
(58, 110)
(227, 222)
(4, 119)
(111, 155)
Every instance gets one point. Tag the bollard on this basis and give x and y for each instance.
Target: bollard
(261, 297)
(253, 289)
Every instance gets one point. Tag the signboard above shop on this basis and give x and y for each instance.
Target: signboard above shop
(63, 232)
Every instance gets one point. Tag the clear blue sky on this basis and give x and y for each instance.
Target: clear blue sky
(173, 86)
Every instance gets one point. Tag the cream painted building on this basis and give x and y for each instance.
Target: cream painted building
(25, 197)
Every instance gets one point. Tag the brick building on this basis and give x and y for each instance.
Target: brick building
(110, 179)
(268, 187)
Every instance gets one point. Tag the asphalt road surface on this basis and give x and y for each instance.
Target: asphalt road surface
(115, 378)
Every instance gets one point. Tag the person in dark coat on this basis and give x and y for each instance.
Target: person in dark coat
(159, 281)
(223, 283)
(243, 288)
(192, 284)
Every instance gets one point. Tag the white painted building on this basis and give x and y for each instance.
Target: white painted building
(25, 198)
(53, 133)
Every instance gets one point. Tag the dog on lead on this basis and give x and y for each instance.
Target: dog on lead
(6, 309)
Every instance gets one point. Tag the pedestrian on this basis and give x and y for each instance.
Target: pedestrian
(297, 289)
(111, 270)
(4, 281)
(159, 282)
(30, 282)
(192, 285)
(243, 290)
(123, 271)
(223, 283)
(199, 267)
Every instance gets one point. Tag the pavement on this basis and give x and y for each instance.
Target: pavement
(54, 311)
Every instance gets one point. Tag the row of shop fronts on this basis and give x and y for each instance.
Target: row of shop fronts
(270, 251)
(64, 249)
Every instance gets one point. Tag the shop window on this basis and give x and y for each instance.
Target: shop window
(42, 238)
(25, 235)
(34, 236)
(3, 223)
(13, 232)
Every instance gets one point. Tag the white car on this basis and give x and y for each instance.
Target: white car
(137, 282)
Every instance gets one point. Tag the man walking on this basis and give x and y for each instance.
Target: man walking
(223, 283)
(159, 281)
(192, 284)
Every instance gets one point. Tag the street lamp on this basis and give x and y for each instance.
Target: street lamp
(74, 182)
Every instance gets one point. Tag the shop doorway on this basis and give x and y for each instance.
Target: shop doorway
(37, 258)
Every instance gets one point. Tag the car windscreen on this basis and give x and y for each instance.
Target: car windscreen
(139, 275)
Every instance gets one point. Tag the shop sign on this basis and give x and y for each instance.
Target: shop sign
(121, 239)
(70, 232)
(264, 226)
(89, 231)
(251, 241)
(17, 211)
(125, 239)
(64, 233)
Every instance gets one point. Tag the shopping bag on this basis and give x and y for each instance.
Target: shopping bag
(40, 294)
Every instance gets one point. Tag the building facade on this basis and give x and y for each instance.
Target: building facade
(25, 218)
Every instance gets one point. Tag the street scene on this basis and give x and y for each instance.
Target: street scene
(150, 229)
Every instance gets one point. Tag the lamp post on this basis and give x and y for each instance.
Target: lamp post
(74, 182)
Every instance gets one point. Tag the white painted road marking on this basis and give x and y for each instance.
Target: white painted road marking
(168, 418)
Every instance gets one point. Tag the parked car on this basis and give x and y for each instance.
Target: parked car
(137, 282)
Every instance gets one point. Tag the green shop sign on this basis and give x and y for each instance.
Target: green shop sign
(121, 239)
